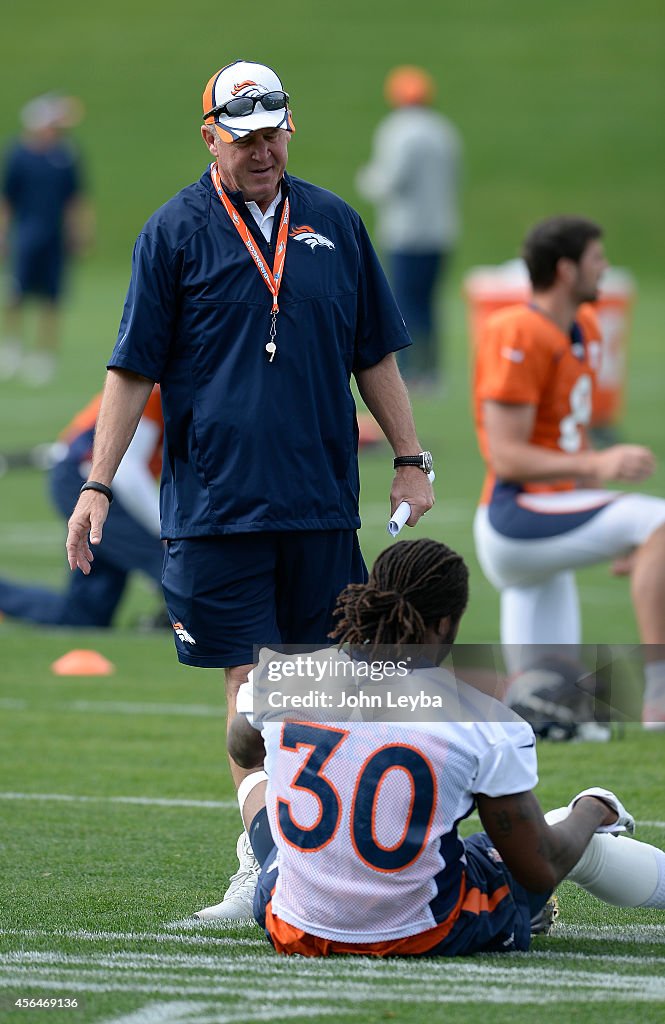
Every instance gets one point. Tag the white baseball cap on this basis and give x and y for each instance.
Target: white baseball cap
(51, 110)
(253, 86)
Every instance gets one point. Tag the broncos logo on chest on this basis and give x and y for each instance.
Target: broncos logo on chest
(311, 237)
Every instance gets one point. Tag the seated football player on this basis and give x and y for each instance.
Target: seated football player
(354, 821)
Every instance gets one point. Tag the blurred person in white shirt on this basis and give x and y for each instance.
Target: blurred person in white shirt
(413, 179)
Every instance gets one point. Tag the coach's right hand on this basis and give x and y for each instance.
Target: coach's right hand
(85, 528)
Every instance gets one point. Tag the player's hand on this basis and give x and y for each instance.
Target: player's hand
(623, 462)
(87, 520)
(412, 485)
(617, 819)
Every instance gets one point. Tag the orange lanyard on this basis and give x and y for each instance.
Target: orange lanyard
(272, 279)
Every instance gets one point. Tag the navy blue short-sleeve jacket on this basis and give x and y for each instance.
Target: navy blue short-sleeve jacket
(250, 444)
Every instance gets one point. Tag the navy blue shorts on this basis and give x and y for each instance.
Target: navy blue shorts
(38, 268)
(491, 927)
(499, 925)
(227, 594)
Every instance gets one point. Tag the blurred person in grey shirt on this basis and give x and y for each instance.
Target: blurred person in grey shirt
(413, 179)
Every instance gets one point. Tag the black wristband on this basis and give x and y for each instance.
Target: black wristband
(94, 485)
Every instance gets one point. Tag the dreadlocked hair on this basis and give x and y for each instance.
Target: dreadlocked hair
(412, 585)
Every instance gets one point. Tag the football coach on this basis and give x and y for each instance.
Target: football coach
(254, 298)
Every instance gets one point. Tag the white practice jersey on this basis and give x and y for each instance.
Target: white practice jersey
(364, 813)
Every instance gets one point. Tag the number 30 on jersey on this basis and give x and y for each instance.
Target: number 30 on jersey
(324, 743)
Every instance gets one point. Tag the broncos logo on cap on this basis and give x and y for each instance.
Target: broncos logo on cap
(311, 237)
(252, 88)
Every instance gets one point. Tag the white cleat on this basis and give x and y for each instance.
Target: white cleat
(593, 732)
(238, 901)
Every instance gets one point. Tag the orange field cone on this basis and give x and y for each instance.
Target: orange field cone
(82, 663)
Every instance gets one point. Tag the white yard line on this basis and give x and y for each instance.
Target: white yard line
(591, 958)
(177, 1012)
(82, 935)
(191, 924)
(140, 801)
(120, 707)
(149, 801)
(420, 971)
(124, 960)
(473, 818)
(180, 1012)
(29, 535)
(210, 989)
(354, 969)
(611, 932)
(496, 985)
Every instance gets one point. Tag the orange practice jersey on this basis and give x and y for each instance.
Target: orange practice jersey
(523, 358)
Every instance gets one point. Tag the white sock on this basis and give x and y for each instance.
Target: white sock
(618, 870)
(654, 675)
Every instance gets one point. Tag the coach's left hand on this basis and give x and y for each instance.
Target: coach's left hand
(412, 485)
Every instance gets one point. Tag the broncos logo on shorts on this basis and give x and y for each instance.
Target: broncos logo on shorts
(183, 634)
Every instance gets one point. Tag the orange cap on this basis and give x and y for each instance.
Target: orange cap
(408, 85)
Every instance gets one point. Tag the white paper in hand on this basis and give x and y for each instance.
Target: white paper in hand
(402, 513)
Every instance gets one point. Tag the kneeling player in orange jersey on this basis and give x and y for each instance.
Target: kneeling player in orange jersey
(355, 820)
(545, 510)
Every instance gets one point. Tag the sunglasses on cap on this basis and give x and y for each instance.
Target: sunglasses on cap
(241, 106)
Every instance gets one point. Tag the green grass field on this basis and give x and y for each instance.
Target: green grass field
(117, 818)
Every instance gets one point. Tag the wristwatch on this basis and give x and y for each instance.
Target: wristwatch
(423, 461)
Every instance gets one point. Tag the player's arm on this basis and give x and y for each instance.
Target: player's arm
(125, 396)
(513, 457)
(539, 855)
(384, 393)
(245, 744)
